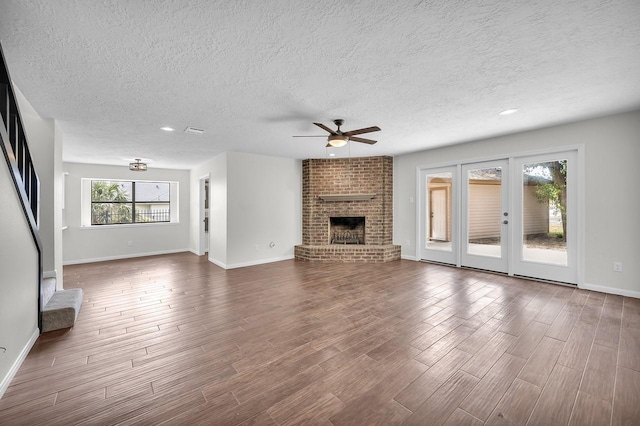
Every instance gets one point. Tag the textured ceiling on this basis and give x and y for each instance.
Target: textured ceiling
(252, 74)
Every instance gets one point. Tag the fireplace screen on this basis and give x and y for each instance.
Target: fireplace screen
(346, 230)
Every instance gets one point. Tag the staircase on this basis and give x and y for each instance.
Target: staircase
(56, 309)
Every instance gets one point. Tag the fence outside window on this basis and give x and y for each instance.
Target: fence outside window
(122, 202)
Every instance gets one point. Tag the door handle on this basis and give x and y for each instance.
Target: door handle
(505, 222)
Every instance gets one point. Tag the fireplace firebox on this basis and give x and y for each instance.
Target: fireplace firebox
(346, 230)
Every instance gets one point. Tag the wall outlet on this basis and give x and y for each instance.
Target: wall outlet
(617, 266)
(130, 243)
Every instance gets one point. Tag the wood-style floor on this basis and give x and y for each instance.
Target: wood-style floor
(176, 340)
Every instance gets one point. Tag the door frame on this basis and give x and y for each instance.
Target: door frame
(203, 243)
(511, 156)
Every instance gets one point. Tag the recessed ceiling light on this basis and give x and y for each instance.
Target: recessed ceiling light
(333, 154)
(167, 129)
(508, 111)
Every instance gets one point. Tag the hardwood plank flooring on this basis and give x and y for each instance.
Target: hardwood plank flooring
(176, 340)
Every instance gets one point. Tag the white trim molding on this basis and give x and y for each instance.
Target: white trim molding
(610, 290)
(407, 257)
(125, 256)
(6, 380)
(251, 263)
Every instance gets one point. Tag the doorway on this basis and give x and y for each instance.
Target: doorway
(439, 229)
(204, 215)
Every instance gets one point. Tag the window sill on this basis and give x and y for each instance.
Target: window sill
(128, 225)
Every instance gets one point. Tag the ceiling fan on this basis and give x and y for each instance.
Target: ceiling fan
(338, 138)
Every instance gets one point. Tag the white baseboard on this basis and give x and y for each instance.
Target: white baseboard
(218, 263)
(251, 263)
(611, 290)
(6, 380)
(260, 262)
(196, 252)
(123, 256)
(407, 257)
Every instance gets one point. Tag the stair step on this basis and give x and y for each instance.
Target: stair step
(62, 309)
(48, 288)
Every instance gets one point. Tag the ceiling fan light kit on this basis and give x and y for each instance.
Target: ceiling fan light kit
(337, 140)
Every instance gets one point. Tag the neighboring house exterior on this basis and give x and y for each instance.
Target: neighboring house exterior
(485, 217)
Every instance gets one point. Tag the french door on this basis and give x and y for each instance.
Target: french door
(439, 215)
(545, 238)
(515, 216)
(485, 215)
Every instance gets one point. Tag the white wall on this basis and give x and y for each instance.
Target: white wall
(18, 281)
(255, 200)
(612, 199)
(58, 203)
(264, 206)
(218, 210)
(104, 243)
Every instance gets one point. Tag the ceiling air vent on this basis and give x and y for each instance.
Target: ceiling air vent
(194, 130)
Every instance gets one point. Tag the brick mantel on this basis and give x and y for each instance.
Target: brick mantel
(347, 181)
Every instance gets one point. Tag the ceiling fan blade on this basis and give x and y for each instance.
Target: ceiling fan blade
(363, 140)
(361, 131)
(325, 128)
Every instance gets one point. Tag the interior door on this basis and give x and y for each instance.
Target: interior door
(438, 213)
(485, 215)
(545, 243)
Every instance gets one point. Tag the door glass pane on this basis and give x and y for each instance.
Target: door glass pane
(544, 212)
(438, 218)
(484, 211)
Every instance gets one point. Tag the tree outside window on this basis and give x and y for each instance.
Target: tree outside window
(121, 202)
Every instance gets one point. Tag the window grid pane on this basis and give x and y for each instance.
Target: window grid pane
(121, 202)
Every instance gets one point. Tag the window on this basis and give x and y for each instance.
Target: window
(117, 202)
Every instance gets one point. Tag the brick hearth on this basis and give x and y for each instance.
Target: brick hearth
(345, 177)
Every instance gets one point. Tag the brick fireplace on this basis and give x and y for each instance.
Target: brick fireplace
(347, 210)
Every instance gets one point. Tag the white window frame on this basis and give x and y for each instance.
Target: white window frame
(85, 198)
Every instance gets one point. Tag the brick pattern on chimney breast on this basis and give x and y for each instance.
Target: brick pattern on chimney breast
(365, 175)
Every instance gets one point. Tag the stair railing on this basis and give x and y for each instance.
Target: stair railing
(16, 153)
